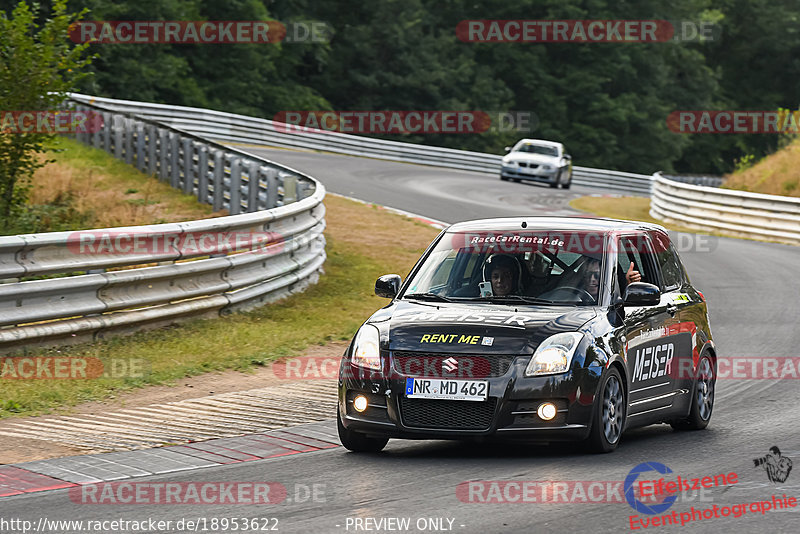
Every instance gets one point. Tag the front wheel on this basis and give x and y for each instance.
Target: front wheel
(609, 414)
(357, 442)
(702, 400)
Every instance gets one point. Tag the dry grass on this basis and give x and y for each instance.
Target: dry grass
(625, 208)
(109, 192)
(776, 174)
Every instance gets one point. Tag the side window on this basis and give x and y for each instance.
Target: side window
(667, 261)
(634, 249)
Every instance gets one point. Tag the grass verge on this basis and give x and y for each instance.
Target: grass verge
(88, 188)
(625, 208)
(775, 174)
(363, 243)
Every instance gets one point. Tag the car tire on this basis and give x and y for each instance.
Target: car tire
(517, 180)
(702, 398)
(357, 442)
(568, 183)
(610, 410)
(504, 178)
(554, 185)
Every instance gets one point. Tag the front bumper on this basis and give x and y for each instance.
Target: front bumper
(538, 175)
(509, 411)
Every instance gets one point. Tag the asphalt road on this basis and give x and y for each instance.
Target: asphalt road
(752, 293)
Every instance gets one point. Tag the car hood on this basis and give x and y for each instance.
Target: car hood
(539, 159)
(476, 328)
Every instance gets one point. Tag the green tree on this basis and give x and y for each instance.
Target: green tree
(38, 66)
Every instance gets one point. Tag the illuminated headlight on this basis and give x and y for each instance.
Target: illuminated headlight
(547, 411)
(360, 403)
(366, 352)
(554, 355)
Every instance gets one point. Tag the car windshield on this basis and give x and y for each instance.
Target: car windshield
(536, 267)
(537, 149)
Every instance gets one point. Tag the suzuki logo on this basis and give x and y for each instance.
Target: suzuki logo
(450, 364)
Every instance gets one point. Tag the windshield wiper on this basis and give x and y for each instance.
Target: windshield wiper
(427, 296)
(517, 298)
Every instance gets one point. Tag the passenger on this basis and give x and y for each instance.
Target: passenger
(591, 277)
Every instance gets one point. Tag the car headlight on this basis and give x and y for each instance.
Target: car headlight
(547, 167)
(509, 163)
(554, 355)
(366, 349)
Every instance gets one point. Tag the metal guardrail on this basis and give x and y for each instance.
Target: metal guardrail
(273, 249)
(696, 179)
(233, 128)
(753, 215)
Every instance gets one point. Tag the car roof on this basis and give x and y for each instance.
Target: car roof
(539, 223)
(538, 142)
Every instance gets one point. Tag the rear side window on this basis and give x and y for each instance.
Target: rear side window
(671, 273)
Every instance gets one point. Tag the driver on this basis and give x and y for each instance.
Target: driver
(503, 271)
(591, 277)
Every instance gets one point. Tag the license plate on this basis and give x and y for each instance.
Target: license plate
(442, 388)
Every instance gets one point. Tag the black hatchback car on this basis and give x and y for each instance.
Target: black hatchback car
(538, 328)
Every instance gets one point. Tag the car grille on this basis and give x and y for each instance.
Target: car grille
(430, 364)
(447, 414)
(529, 165)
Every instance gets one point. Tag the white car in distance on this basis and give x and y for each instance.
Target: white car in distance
(539, 161)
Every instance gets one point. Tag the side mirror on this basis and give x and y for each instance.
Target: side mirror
(387, 286)
(508, 149)
(567, 156)
(642, 294)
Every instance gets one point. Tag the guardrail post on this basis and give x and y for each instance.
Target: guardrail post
(252, 186)
(235, 205)
(128, 137)
(289, 189)
(141, 163)
(97, 136)
(163, 154)
(174, 158)
(118, 129)
(107, 127)
(202, 174)
(273, 181)
(188, 164)
(219, 179)
(151, 148)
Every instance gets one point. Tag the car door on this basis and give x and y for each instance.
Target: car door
(648, 350)
(686, 313)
